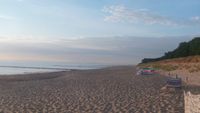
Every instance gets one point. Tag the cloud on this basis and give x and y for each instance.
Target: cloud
(69, 42)
(120, 13)
(195, 19)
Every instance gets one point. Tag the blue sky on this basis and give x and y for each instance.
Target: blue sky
(94, 31)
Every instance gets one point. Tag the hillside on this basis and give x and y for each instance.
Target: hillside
(191, 64)
(184, 61)
(184, 49)
(188, 68)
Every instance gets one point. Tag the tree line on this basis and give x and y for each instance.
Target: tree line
(184, 49)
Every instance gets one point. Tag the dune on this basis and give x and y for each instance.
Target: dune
(188, 68)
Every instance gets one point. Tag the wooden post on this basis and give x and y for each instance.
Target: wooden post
(176, 76)
(187, 80)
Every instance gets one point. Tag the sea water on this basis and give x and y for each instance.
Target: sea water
(10, 68)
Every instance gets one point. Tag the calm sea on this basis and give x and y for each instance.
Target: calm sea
(10, 68)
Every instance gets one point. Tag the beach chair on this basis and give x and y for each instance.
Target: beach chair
(174, 83)
(148, 71)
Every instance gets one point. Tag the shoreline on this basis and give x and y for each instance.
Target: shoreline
(57, 70)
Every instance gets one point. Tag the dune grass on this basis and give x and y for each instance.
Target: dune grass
(191, 64)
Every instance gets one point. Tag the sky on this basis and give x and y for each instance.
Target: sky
(116, 32)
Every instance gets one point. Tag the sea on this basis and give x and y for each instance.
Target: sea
(13, 68)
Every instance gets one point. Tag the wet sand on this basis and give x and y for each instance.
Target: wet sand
(109, 90)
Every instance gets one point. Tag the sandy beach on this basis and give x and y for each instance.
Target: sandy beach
(108, 90)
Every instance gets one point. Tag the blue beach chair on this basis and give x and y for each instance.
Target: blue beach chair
(174, 83)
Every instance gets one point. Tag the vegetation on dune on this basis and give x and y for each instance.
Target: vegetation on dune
(191, 64)
(184, 49)
(185, 57)
(166, 67)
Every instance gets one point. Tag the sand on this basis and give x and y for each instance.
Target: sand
(109, 90)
